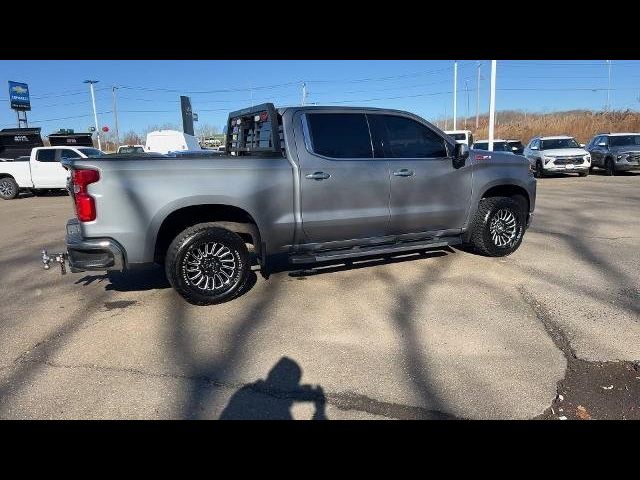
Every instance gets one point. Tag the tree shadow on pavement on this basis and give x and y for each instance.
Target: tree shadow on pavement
(273, 397)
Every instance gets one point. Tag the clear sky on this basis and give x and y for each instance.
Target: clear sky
(149, 91)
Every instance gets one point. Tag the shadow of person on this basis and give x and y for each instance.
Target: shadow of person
(272, 398)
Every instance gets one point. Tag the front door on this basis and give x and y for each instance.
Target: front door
(46, 171)
(427, 192)
(344, 190)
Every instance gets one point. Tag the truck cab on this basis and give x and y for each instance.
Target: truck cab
(42, 170)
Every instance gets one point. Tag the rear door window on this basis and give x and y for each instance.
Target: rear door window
(339, 135)
(48, 155)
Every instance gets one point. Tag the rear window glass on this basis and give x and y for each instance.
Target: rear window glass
(340, 135)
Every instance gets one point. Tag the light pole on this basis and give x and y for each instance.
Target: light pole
(492, 104)
(455, 93)
(609, 87)
(466, 87)
(95, 115)
(478, 99)
(304, 94)
(115, 115)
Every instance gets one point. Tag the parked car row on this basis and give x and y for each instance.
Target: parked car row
(611, 152)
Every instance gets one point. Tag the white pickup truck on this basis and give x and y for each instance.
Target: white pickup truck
(42, 170)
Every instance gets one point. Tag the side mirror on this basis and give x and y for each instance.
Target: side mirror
(582, 145)
(460, 155)
(533, 148)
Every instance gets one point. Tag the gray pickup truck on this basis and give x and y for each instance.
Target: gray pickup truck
(299, 185)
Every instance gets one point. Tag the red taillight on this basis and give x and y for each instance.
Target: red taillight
(85, 204)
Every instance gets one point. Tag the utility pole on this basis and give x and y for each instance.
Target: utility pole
(446, 119)
(455, 93)
(115, 115)
(466, 87)
(478, 99)
(304, 94)
(95, 115)
(609, 87)
(492, 104)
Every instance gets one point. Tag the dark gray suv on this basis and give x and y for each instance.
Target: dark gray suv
(615, 152)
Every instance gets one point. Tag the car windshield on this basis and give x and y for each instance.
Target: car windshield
(131, 150)
(458, 136)
(624, 140)
(554, 143)
(497, 146)
(91, 152)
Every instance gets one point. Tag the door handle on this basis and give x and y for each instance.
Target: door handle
(403, 173)
(318, 176)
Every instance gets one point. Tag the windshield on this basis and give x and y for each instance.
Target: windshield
(624, 140)
(497, 146)
(458, 136)
(559, 143)
(131, 150)
(516, 146)
(91, 152)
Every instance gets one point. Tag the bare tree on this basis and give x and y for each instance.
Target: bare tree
(131, 138)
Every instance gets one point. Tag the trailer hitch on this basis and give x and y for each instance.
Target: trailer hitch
(60, 258)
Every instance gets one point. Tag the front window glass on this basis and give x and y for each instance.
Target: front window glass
(554, 143)
(624, 140)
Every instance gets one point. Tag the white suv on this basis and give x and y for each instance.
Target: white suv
(559, 154)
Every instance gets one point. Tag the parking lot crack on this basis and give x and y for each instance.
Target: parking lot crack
(588, 390)
(541, 312)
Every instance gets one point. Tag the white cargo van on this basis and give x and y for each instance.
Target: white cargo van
(165, 141)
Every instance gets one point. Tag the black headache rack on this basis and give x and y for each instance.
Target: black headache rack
(256, 129)
(71, 139)
(18, 142)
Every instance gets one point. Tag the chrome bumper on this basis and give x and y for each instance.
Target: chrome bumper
(92, 253)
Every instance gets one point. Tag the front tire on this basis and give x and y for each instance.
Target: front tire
(610, 168)
(498, 226)
(583, 174)
(539, 171)
(207, 264)
(8, 188)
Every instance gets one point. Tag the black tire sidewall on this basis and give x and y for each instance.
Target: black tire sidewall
(515, 208)
(610, 167)
(15, 188)
(204, 235)
(539, 169)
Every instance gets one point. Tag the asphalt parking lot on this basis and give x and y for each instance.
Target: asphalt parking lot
(550, 332)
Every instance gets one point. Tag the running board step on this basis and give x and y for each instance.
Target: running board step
(354, 252)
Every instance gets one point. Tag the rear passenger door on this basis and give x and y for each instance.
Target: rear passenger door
(427, 192)
(344, 190)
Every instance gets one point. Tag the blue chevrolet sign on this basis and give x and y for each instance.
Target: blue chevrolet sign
(19, 96)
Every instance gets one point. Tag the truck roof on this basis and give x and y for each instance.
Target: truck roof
(556, 137)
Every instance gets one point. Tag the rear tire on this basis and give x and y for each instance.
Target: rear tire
(207, 264)
(8, 188)
(498, 226)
